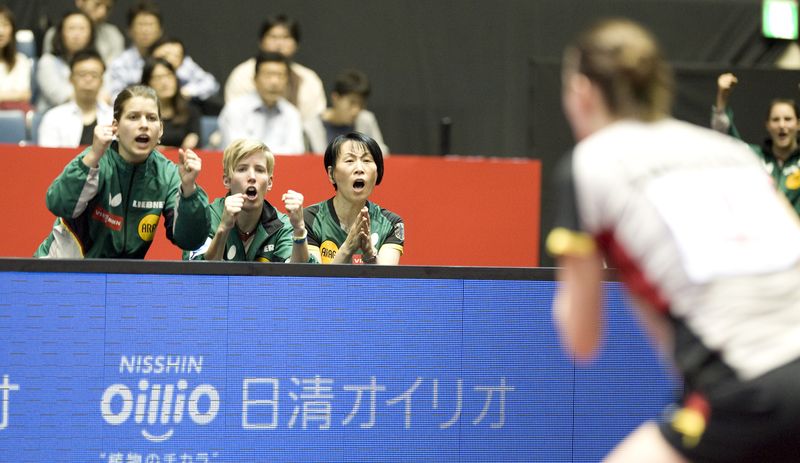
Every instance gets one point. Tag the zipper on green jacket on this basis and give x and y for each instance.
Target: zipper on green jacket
(125, 215)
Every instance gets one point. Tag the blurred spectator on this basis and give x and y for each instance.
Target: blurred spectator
(72, 124)
(780, 151)
(144, 28)
(181, 119)
(346, 114)
(264, 114)
(197, 85)
(281, 34)
(15, 68)
(74, 33)
(108, 40)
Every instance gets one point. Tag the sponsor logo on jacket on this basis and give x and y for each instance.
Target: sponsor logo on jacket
(148, 204)
(147, 227)
(108, 219)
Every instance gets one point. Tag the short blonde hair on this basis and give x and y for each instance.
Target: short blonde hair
(241, 148)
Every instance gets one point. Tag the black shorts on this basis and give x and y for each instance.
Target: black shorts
(750, 421)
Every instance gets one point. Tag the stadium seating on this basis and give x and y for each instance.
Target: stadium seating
(12, 127)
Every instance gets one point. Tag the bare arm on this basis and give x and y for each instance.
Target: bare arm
(725, 84)
(388, 256)
(217, 245)
(233, 205)
(293, 202)
(720, 121)
(578, 303)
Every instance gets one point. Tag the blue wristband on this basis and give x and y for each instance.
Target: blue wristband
(300, 239)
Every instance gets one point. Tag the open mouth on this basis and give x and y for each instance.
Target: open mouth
(359, 185)
(251, 192)
(142, 139)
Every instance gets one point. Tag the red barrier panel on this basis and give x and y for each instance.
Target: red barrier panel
(458, 211)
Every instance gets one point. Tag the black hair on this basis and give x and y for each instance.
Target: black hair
(352, 81)
(85, 55)
(59, 49)
(144, 7)
(179, 104)
(165, 40)
(787, 101)
(271, 57)
(335, 146)
(281, 20)
(9, 53)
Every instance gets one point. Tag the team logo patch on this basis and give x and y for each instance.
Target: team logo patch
(400, 232)
(108, 219)
(793, 180)
(328, 251)
(147, 227)
(115, 200)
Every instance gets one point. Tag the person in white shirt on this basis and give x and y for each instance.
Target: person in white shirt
(15, 68)
(72, 124)
(709, 250)
(264, 114)
(281, 34)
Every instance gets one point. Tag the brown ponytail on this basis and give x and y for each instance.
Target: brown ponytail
(624, 60)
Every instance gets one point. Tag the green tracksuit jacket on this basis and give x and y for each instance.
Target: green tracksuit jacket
(112, 211)
(785, 175)
(271, 243)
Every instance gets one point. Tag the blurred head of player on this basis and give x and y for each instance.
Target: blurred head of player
(615, 70)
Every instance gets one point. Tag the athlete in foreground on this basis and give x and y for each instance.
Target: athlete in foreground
(703, 241)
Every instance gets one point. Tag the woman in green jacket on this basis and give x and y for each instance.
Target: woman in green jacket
(110, 198)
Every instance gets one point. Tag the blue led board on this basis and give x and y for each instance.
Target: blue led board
(125, 368)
